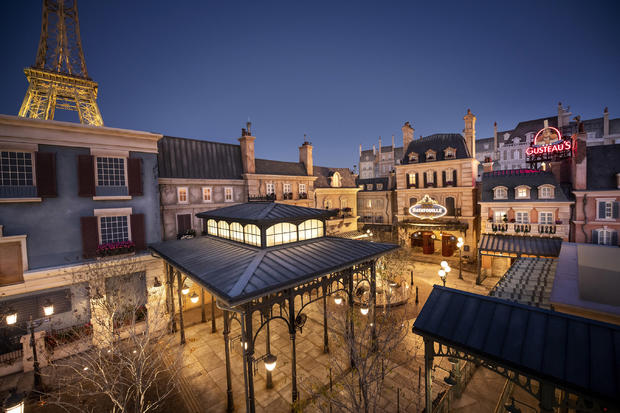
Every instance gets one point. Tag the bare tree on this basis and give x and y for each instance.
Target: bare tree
(131, 363)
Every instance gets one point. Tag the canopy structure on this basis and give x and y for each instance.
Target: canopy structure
(516, 245)
(272, 259)
(579, 356)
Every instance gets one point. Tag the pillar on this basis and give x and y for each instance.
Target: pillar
(213, 326)
(325, 335)
(248, 353)
(170, 284)
(429, 352)
(268, 351)
(179, 295)
(230, 405)
(350, 315)
(292, 331)
(203, 313)
(372, 305)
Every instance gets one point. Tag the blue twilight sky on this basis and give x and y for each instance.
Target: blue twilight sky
(343, 72)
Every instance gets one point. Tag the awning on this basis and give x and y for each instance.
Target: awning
(520, 245)
(576, 353)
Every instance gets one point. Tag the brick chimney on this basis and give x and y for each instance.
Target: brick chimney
(495, 154)
(247, 150)
(305, 157)
(579, 161)
(408, 132)
(487, 165)
(470, 132)
(606, 126)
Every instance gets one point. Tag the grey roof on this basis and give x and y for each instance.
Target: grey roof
(520, 244)
(511, 178)
(603, 165)
(196, 159)
(269, 167)
(237, 273)
(528, 281)
(580, 354)
(374, 182)
(437, 142)
(265, 212)
(533, 126)
(324, 173)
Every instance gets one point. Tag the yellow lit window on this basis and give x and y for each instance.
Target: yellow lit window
(282, 233)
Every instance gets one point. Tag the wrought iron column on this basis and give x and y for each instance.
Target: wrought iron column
(325, 335)
(268, 351)
(230, 405)
(350, 315)
(292, 331)
(478, 280)
(180, 307)
(203, 315)
(372, 305)
(170, 282)
(213, 326)
(429, 350)
(248, 346)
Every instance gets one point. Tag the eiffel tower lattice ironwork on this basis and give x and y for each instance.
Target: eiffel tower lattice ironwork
(59, 78)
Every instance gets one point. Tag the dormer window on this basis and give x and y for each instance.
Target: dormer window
(336, 181)
(500, 192)
(413, 157)
(369, 187)
(450, 153)
(546, 192)
(431, 155)
(522, 192)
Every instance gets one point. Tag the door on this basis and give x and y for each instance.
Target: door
(428, 243)
(447, 245)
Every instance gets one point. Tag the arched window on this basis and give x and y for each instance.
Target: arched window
(312, 228)
(336, 180)
(252, 235)
(222, 229)
(212, 227)
(281, 234)
(450, 206)
(500, 192)
(413, 201)
(236, 232)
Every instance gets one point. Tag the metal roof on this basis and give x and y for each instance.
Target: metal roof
(602, 167)
(269, 167)
(237, 273)
(324, 174)
(512, 178)
(196, 159)
(574, 352)
(518, 244)
(528, 281)
(438, 143)
(265, 212)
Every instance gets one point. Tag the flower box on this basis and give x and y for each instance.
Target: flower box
(558, 222)
(116, 248)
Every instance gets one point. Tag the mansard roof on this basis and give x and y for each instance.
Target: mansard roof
(438, 143)
(269, 167)
(603, 165)
(324, 173)
(513, 178)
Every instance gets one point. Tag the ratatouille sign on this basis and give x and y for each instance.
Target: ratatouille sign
(427, 208)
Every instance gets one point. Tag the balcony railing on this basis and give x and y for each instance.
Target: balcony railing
(287, 195)
(267, 197)
(511, 228)
(303, 195)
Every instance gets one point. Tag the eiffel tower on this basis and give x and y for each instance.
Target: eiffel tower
(59, 78)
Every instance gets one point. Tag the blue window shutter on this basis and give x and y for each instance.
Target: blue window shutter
(595, 236)
(601, 209)
(615, 209)
(614, 238)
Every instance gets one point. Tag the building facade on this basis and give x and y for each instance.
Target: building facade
(596, 187)
(441, 167)
(71, 195)
(376, 200)
(335, 189)
(379, 163)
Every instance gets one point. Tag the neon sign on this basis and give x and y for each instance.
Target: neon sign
(548, 145)
(427, 208)
(554, 147)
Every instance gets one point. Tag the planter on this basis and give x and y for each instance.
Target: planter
(113, 249)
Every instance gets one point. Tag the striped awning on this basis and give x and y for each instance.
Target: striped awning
(520, 245)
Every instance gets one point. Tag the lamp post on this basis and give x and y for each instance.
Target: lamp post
(443, 272)
(459, 245)
(442, 275)
(11, 320)
(511, 408)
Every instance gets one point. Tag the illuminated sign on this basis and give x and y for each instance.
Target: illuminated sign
(427, 208)
(548, 145)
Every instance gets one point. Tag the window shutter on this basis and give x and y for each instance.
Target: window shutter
(443, 178)
(45, 165)
(454, 177)
(595, 236)
(601, 210)
(90, 236)
(134, 173)
(417, 180)
(424, 179)
(137, 231)
(407, 180)
(615, 210)
(435, 179)
(184, 222)
(614, 238)
(86, 175)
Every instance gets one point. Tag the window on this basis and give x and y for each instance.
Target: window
(413, 157)
(270, 188)
(252, 234)
(287, 188)
(281, 234)
(605, 237)
(607, 209)
(302, 188)
(522, 192)
(114, 229)
(369, 187)
(450, 206)
(379, 187)
(545, 218)
(344, 203)
(498, 216)
(184, 223)
(501, 192)
(110, 171)
(222, 229)
(336, 180)
(312, 228)
(228, 194)
(430, 177)
(522, 217)
(431, 155)
(182, 195)
(413, 201)
(16, 169)
(411, 179)
(545, 192)
(328, 204)
(450, 153)
(236, 232)
(212, 227)
(207, 194)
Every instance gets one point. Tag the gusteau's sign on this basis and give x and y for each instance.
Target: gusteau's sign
(427, 208)
(548, 145)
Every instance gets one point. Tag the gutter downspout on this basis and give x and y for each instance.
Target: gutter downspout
(585, 218)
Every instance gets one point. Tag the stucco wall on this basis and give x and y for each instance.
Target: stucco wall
(53, 226)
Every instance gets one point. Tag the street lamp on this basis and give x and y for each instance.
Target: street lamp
(14, 403)
(364, 309)
(194, 298)
(185, 289)
(48, 308)
(442, 275)
(459, 245)
(338, 299)
(270, 362)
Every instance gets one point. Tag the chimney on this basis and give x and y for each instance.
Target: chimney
(470, 132)
(305, 157)
(247, 150)
(374, 150)
(407, 135)
(487, 165)
(617, 184)
(392, 142)
(579, 161)
(606, 125)
(495, 141)
(379, 145)
(560, 115)
(360, 150)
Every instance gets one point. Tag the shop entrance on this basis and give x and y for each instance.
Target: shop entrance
(448, 245)
(428, 242)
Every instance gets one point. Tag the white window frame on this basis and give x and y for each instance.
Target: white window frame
(32, 160)
(498, 195)
(520, 215)
(527, 192)
(607, 236)
(113, 212)
(302, 189)
(432, 153)
(232, 194)
(379, 187)
(270, 188)
(501, 214)
(179, 189)
(413, 157)
(287, 188)
(430, 177)
(542, 189)
(546, 214)
(104, 155)
(609, 202)
(450, 153)
(207, 190)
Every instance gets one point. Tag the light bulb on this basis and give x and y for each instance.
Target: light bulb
(194, 298)
(444, 264)
(11, 319)
(364, 310)
(338, 300)
(270, 362)
(185, 289)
